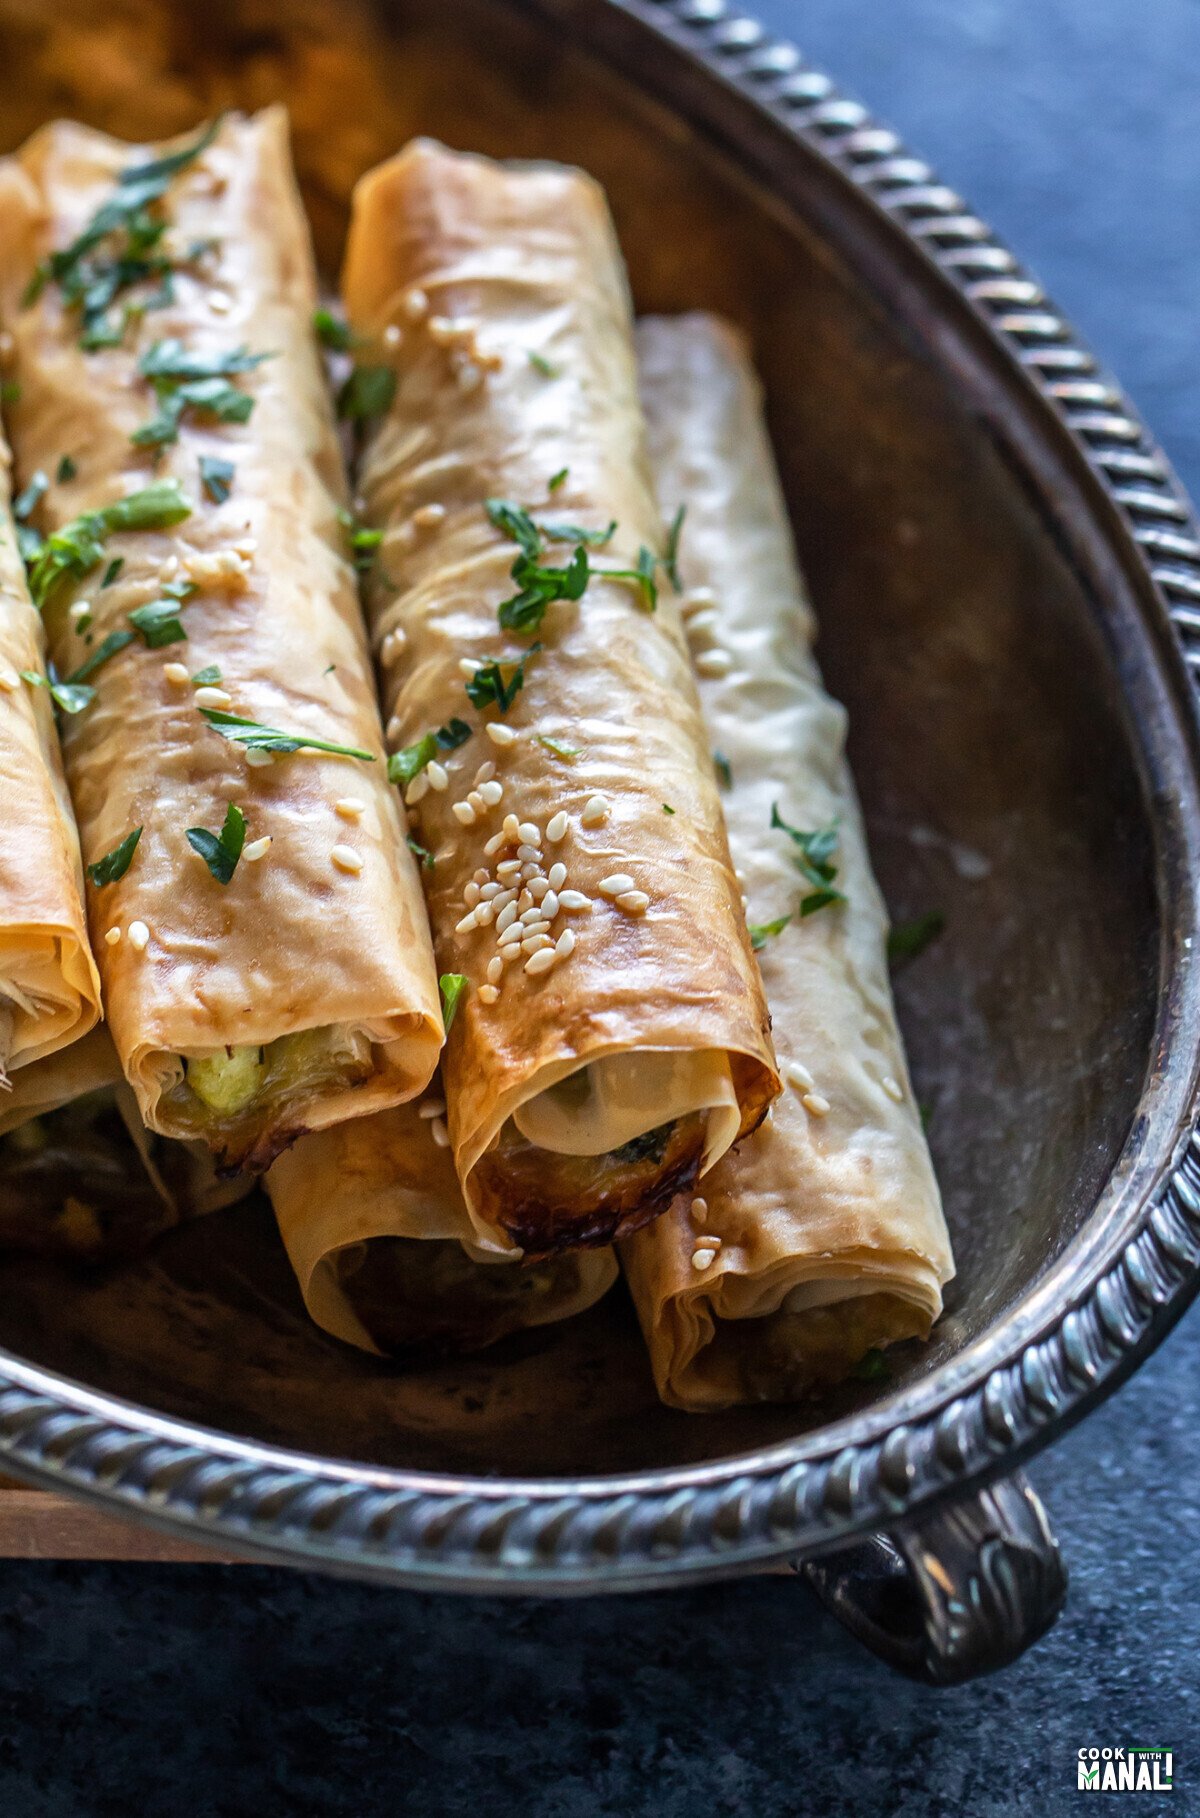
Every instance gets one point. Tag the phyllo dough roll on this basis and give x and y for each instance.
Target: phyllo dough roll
(49, 987)
(823, 1237)
(375, 1226)
(612, 1039)
(264, 947)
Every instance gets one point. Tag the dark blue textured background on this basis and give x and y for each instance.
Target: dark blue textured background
(1074, 126)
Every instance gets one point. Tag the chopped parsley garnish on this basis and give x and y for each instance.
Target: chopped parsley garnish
(578, 533)
(368, 392)
(409, 762)
(667, 808)
(76, 548)
(112, 571)
(814, 858)
(71, 697)
(208, 677)
(184, 379)
(66, 470)
(28, 500)
(221, 851)
(158, 624)
(362, 542)
(452, 985)
(908, 939)
(119, 250)
(541, 364)
(872, 1366)
(116, 863)
(332, 331)
(642, 577)
(454, 733)
(115, 642)
(422, 854)
(671, 558)
(557, 479)
(515, 523)
(498, 684)
(723, 768)
(557, 747)
(257, 737)
(216, 478)
(540, 586)
(761, 932)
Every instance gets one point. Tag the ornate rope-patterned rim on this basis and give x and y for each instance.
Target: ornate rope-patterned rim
(605, 1533)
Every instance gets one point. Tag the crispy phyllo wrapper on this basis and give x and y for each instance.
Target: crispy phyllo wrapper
(541, 707)
(197, 577)
(822, 1238)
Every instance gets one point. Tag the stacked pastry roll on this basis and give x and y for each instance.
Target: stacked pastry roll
(255, 908)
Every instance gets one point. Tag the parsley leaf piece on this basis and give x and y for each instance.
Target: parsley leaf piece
(30, 543)
(456, 732)
(908, 939)
(723, 768)
(557, 746)
(557, 479)
(452, 986)
(28, 500)
(514, 522)
(78, 546)
(408, 763)
(671, 558)
(333, 331)
(66, 470)
(115, 641)
(71, 697)
(540, 587)
(257, 737)
(112, 571)
(578, 533)
(814, 858)
(541, 364)
(872, 1366)
(208, 677)
(158, 624)
(171, 163)
(641, 578)
(368, 392)
(362, 542)
(216, 478)
(421, 853)
(761, 932)
(116, 863)
(667, 808)
(491, 686)
(221, 851)
(171, 359)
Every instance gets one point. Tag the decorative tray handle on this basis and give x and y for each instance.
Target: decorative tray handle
(954, 1593)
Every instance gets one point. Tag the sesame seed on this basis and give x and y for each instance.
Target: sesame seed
(81, 609)
(246, 546)
(893, 1088)
(508, 868)
(533, 914)
(524, 901)
(485, 913)
(9, 681)
(714, 663)
(634, 902)
(416, 789)
(349, 807)
(416, 304)
(220, 302)
(536, 943)
(139, 936)
(494, 844)
(695, 599)
(213, 697)
(113, 936)
(574, 901)
(557, 876)
(556, 829)
(488, 891)
(530, 869)
(442, 330)
(699, 1208)
(476, 801)
(432, 1107)
(504, 899)
(346, 858)
(799, 1076)
(510, 953)
(463, 811)
(392, 646)
(393, 731)
(812, 1101)
(538, 888)
(615, 884)
(528, 854)
(176, 674)
(702, 622)
(595, 811)
(488, 994)
(511, 826)
(439, 1133)
(257, 849)
(393, 334)
(702, 1258)
(471, 894)
(491, 793)
(549, 903)
(259, 760)
(485, 772)
(468, 923)
(168, 568)
(436, 773)
(495, 970)
(481, 876)
(512, 931)
(540, 961)
(565, 943)
(499, 733)
(530, 833)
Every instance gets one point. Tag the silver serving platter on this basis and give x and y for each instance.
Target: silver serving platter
(1008, 578)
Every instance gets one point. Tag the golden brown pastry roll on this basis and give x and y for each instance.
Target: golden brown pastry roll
(375, 1226)
(821, 1238)
(261, 934)
(611, 1040)
(49, 987)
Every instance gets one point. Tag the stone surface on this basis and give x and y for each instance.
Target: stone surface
(219, 1692)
